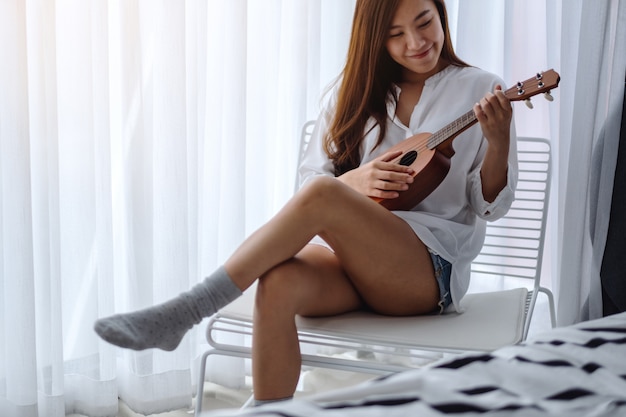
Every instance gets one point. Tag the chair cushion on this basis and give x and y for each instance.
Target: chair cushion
(490, 320)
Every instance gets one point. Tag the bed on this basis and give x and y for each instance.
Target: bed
(571, 371)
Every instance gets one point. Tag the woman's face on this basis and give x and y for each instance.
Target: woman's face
(415, 38)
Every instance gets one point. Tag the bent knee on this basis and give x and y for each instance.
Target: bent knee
(275, 290)
(319, 189)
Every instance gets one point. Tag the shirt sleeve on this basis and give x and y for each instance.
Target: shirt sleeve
(500, 205)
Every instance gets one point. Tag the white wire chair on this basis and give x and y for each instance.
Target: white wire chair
(511, 258)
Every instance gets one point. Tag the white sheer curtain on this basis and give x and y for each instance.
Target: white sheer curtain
(142, 140)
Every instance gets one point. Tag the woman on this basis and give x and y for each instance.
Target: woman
(332, 249)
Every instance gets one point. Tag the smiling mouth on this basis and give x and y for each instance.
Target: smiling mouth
(420, 55)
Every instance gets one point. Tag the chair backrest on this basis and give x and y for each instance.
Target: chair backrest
(513, 248)
(305, 137)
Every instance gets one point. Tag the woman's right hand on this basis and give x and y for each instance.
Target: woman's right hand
(380, 177)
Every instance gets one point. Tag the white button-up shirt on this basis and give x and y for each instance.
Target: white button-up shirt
(451, 220)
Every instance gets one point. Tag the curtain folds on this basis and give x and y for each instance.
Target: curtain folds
(590, 131)
(142, 140)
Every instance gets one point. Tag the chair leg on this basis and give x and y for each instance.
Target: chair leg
(248, 402)
(548, 293)
(200, 392)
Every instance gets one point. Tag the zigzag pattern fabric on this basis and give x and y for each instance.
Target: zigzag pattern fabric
(576, 371)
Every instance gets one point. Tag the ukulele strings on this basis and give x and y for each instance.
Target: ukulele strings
(440, 136)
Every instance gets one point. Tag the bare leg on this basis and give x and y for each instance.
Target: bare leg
(370, 243)
(378, 261)
(308, 284)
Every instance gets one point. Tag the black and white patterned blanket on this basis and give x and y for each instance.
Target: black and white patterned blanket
(572, 371)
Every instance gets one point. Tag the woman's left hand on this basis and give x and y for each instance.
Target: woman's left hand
(494, 113)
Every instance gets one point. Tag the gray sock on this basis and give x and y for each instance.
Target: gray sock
(163, 326)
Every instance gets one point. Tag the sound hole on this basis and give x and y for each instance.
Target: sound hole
(408, 158)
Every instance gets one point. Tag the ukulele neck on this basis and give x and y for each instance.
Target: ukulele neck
(452, 130)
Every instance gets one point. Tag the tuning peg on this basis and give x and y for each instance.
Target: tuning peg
(529, 104)
(548, 96)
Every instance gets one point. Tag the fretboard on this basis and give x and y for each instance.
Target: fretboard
(452, 129)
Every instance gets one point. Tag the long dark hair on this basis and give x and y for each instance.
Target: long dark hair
(367, 80)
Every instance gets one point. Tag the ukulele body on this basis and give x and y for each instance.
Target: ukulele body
(430, 168)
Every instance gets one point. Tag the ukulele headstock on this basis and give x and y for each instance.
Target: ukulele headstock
(543, 82)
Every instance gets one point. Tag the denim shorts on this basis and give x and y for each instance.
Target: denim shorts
(443, 269)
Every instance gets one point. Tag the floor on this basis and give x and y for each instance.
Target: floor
(217, 397)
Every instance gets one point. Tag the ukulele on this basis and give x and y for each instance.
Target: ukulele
(429, 154)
